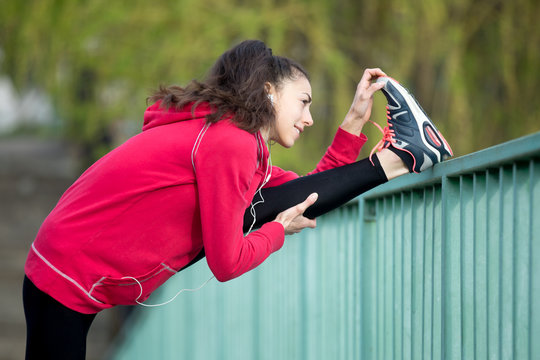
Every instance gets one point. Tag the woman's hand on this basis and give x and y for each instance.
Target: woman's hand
(293, 219)
(360, 110)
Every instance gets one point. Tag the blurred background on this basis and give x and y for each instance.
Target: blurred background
(74, 77)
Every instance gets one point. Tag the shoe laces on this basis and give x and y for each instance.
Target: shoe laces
(388, 137)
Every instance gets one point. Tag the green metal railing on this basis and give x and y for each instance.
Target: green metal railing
(440, 265)
(452, 259)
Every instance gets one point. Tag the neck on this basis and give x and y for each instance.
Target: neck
(265, 132)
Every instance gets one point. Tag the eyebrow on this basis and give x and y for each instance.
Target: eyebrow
(309, 97)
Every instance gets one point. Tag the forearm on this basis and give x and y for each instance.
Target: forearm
(352, 124)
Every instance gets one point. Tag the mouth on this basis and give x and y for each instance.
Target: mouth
(299, 131)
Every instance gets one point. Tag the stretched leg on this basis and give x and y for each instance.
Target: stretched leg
(53, 330)
(335, 187)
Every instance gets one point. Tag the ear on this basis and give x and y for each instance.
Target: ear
(269, 88)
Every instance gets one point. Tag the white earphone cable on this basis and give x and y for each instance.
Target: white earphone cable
(168, 301)
(267, 177)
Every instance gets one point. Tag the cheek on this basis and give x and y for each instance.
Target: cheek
(280, 126)
(292, 115)
(286, 118)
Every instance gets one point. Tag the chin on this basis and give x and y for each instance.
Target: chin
(286, 144)
(286, 140)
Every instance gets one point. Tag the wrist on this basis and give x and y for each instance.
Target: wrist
(353, 124)
(279, 221)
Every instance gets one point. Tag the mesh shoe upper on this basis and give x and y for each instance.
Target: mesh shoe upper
(409, 128)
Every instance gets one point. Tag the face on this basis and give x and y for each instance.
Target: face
(291, 103)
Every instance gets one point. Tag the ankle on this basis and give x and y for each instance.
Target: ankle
(405, 156)
(392, 164)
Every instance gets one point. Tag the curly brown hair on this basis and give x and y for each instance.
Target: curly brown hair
(235, 86)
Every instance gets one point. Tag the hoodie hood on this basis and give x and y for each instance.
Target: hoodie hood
(157, 116)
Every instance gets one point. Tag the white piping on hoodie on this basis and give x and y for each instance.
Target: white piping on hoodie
(64, 275)
(197, 144)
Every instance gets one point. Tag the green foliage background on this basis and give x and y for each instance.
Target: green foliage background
(473, 65)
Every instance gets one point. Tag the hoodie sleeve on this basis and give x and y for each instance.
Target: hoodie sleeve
(344, 150)
(226, 164)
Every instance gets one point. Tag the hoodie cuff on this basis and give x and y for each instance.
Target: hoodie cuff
(275, 233)
(347, 146)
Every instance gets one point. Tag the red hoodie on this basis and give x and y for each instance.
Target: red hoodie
(148, 207)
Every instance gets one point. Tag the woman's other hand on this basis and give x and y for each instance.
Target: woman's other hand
(360, 110)
(293, 219)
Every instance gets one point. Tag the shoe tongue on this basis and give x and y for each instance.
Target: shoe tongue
(388, 90)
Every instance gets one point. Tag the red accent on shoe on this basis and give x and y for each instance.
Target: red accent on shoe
(433, 136)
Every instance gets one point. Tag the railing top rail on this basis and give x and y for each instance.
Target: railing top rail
(522, 148)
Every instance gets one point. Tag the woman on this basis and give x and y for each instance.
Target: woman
(180, 190)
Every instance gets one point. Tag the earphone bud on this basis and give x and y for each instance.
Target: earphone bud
(271, 97)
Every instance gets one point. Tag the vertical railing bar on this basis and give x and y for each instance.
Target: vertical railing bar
(351, 282)
(412, 277)
(461, 255)
(358, 346)
(383, 276)
(376, 305)
(387, 272)
(488, 259)
(356, 275)
(402, 270)
(424, 200)
(474, 249)
(380, 319)
(514, 269)
(433, 234)
(444, 225)
(383, 269)
(531, 219)
(501, 214)
(393, 273)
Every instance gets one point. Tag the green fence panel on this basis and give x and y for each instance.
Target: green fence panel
(439, 265)
(455, 259)
(302, 303)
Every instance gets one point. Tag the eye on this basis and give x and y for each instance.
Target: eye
(305, 102)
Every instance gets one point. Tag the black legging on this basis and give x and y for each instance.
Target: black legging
(335, 188)
(53, 331)
(56, 332)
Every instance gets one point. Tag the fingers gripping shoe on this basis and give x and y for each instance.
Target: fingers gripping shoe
(409, 129)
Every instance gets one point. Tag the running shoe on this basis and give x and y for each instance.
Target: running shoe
(410, 130)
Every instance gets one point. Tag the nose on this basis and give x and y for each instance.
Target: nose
(308, 120)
